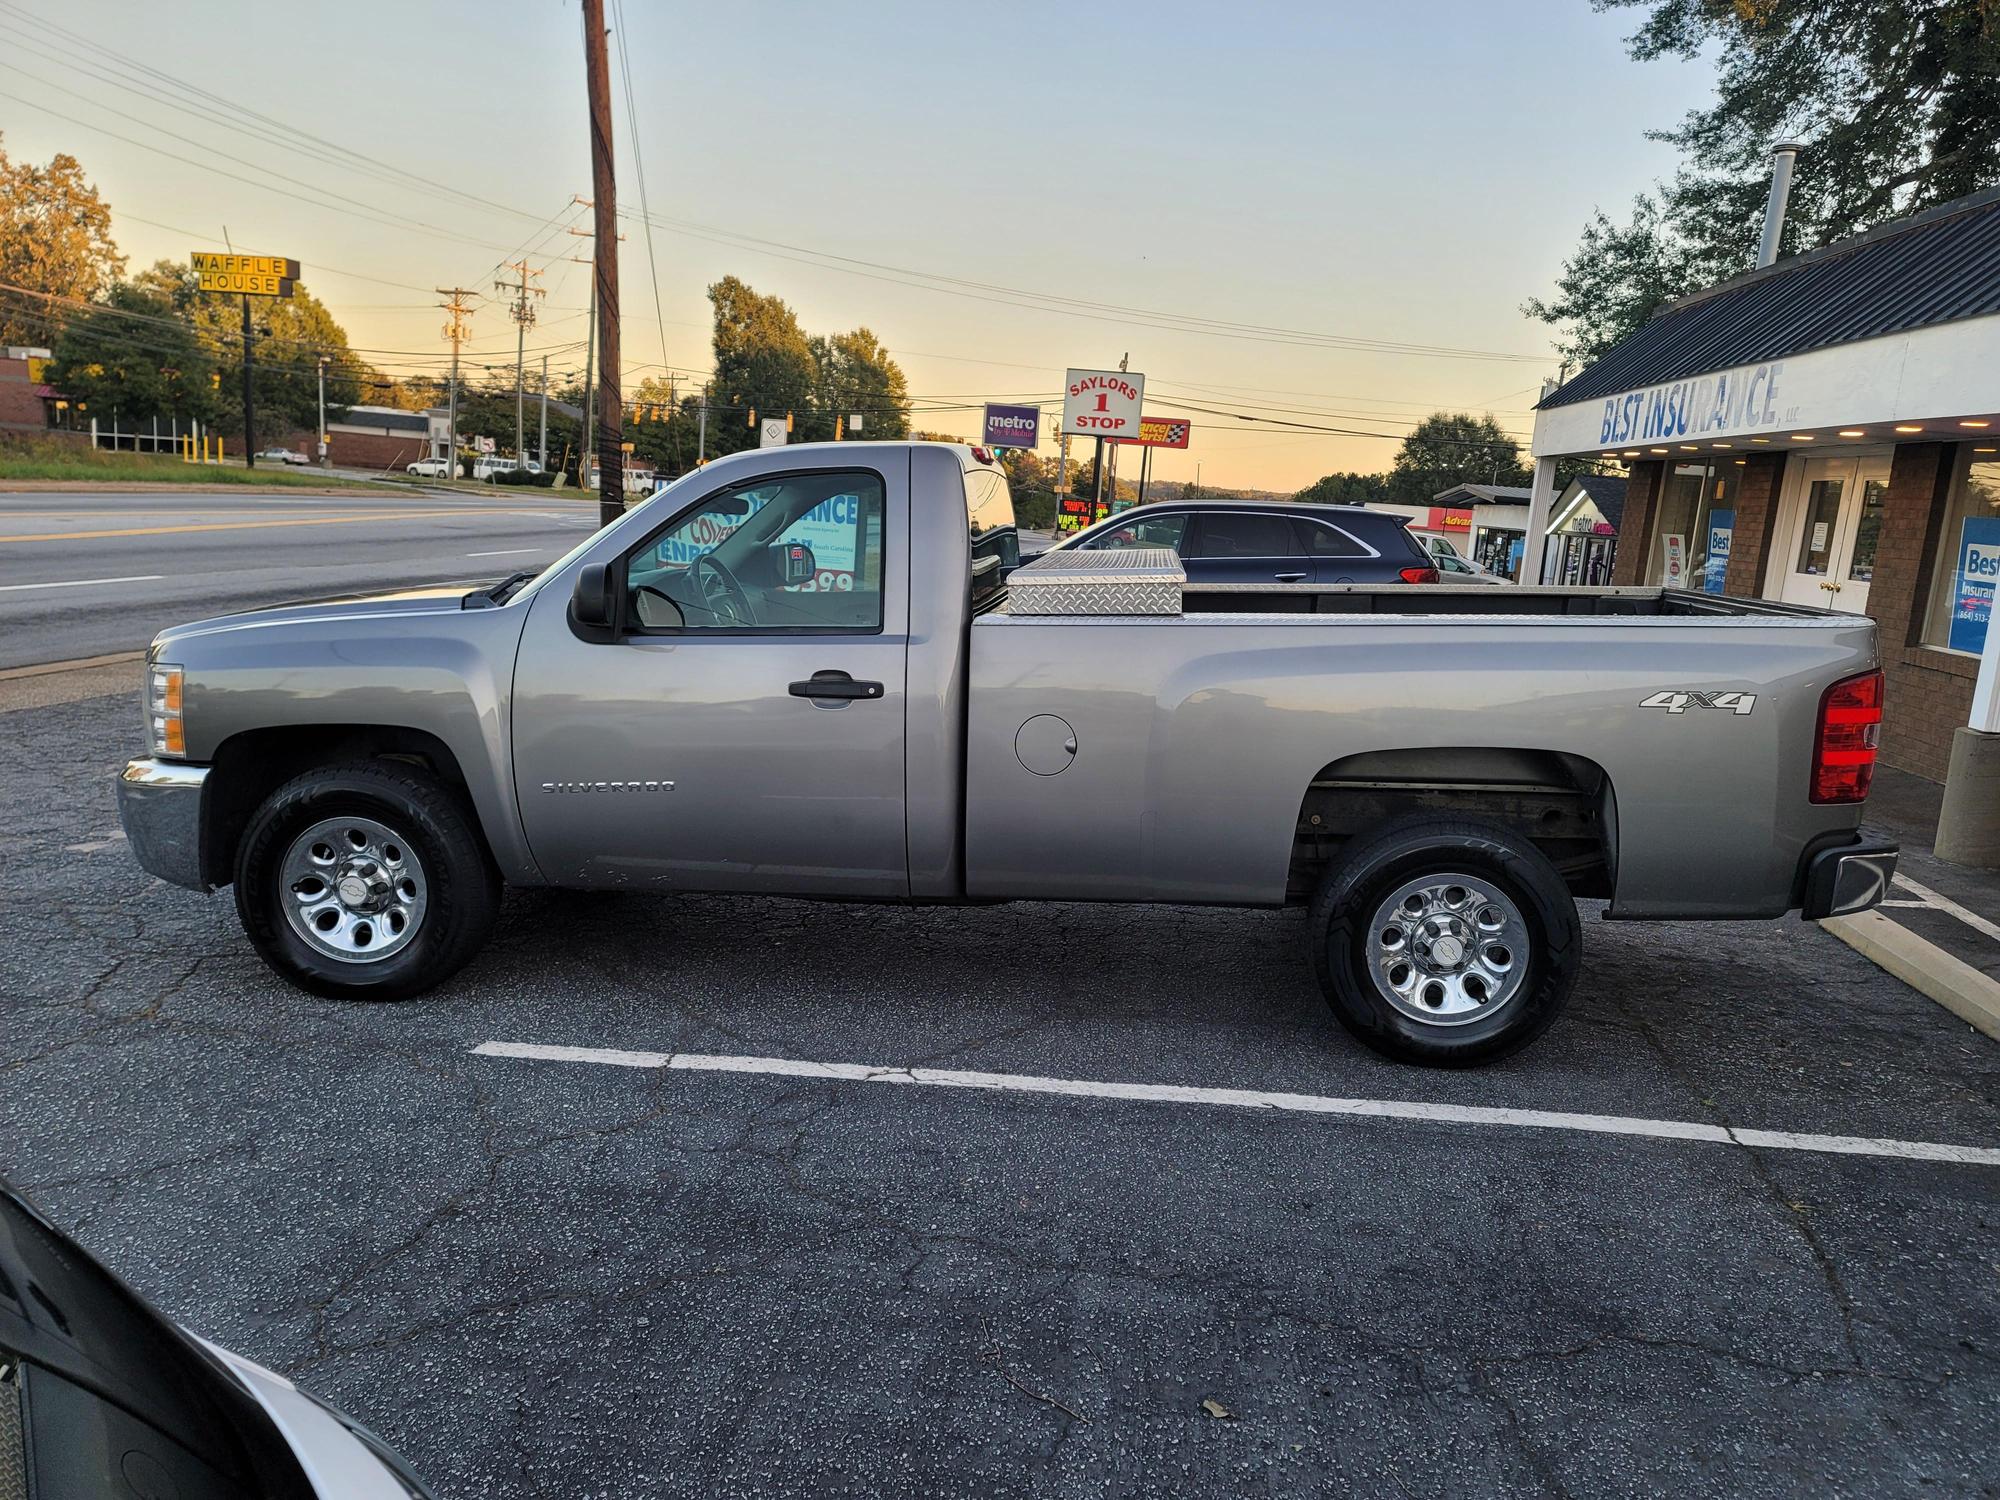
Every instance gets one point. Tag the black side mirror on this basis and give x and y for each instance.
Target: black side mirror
(796, 563)
(595, 602)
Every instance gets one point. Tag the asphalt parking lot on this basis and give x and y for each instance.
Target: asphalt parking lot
(539, 1273)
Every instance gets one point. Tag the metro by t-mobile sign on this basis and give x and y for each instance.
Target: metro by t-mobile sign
(1102, 403)
(1012, 426)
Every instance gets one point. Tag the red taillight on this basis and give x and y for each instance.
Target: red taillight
(1418, 575)
(1850, 729)
(983, 455)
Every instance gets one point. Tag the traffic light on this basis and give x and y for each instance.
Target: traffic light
(215, 380)
(753, 419)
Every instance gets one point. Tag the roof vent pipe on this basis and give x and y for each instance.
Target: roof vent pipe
(1783, 155)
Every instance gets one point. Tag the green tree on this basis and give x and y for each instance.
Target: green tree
(763, 362)
(857, 377)
(55, 237)
(1449, 448)
(289, 335)
(1345, 489)
(135, 357)
(1897, 105)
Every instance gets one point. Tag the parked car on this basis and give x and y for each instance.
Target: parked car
(101, 1394)
(484, 468)
(1249, 542)
(799, 671)
(284, 456)
(1455, 569)
(430, 468)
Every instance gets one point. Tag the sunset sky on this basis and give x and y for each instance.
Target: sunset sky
(1322, 179)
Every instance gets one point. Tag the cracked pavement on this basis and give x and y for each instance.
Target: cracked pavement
(546, 1279)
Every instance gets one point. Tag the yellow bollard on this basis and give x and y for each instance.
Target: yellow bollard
(218, 450)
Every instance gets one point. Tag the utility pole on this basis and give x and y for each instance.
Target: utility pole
(604, 199)
(523, 313)
(542, 446)
(701, 432)
(457, 333)
(322, 411)
(249, 399)
(589, 349)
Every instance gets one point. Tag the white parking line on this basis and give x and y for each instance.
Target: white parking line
(1308, 1104)
(77, 583)
(509, 552)
(1929, 897)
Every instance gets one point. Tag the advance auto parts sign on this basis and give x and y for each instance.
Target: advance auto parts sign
(1102, 403)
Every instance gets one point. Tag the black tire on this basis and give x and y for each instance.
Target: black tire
(462, 887)
(1373, 868)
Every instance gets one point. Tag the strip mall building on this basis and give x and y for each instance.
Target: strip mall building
(1826, 431)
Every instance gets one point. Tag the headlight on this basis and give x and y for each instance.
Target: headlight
(165, 731)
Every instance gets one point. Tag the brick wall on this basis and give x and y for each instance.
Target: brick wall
(362, 450)
(1756, 516)
(1929, 692)
(21, 409)
(1635, 526)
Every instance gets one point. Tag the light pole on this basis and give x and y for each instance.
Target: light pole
(322, 411)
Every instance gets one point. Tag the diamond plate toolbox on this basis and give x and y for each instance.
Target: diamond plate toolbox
(1132, 581)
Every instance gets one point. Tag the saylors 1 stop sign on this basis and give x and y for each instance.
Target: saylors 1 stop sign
(1102, 403)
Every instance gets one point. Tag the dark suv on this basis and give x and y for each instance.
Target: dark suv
(1246, 541)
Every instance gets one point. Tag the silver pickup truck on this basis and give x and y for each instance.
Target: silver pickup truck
(819, 671)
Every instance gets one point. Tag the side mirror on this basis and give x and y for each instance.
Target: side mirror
(594, 602)
(796, 564)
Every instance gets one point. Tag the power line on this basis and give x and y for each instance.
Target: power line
(639, 170)
(992, 292)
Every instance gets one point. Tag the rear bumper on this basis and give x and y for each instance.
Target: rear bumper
(159, 804)
(1848, 878)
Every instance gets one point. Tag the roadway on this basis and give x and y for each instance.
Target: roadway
(86, 574)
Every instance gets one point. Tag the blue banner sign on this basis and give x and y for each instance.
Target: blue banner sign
(1715, 567)
(1972, 584)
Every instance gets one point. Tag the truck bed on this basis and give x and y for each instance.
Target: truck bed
(1215, 746)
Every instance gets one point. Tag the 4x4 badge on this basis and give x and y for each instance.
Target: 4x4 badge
(1675, 701)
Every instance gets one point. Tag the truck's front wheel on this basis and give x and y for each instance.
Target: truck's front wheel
(365, 881)
(1444, 941)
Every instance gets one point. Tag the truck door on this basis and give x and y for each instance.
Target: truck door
(741, 728)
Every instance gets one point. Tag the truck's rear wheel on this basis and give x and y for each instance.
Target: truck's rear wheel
(1445, 941)
(365, 882)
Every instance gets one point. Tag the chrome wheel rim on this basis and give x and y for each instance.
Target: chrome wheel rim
(1448, 949)
(354, 890)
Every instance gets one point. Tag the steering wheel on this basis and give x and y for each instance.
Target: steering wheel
(727, 599)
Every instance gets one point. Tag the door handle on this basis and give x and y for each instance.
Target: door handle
(1289, 577)
(832, 684)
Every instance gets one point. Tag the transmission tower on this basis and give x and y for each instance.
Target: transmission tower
(523, 313)
(456, 331)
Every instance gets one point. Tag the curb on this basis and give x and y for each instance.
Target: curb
(80, 664)
(1924, 967)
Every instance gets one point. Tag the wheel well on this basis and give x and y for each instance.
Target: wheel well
(248, 767)
(1562, 803)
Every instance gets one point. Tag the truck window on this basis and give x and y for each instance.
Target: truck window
(995, 543)
(796, 552)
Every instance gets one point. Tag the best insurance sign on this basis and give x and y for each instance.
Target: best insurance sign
(1102, 403)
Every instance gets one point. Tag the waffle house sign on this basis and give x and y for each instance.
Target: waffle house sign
(251, 275)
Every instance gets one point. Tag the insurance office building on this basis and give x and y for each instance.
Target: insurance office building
(1825, 431)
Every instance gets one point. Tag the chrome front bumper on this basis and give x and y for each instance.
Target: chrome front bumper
(159, 802)
(1848, 879)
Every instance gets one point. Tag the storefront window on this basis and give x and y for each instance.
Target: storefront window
(1968, 562)
(1695, 522)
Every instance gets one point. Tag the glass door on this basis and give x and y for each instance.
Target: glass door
(1832, 558)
